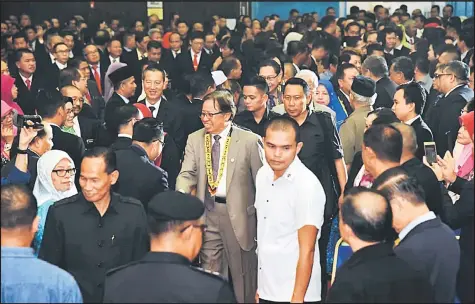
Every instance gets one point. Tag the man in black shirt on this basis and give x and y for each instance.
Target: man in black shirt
(96, 230)
(255, 100)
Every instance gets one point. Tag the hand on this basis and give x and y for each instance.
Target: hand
(447, 165)
(217, 63)
(257, 297)
(26, 136)
(435, 168)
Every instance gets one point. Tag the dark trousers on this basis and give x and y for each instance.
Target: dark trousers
(322, 247)
(265, 301)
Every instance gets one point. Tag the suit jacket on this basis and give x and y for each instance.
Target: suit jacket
(114, 102)
(53, 76)
(466, 59)
(431, 248)
(356, 165)
(89, 129)
(27, 98)
(71, 144)
(423, 134)
(385, 88)
(138, 176)
(444, 118)
(97, 101)
(184, 66)
(374, 274)
(102, 71)
(121, 143)
(244, 160)
(404, 51)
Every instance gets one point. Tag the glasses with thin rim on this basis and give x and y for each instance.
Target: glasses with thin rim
(209, 115)
(440, 75)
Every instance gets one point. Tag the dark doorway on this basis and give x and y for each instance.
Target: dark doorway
(200, 11)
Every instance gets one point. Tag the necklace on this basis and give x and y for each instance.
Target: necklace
(213, 184)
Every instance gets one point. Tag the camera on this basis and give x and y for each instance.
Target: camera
(20, 121)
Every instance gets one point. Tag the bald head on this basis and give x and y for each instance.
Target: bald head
(70, 90)
(409, 138)
(367, 213)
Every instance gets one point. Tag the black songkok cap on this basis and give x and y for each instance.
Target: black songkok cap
(364, 86)
(121, 74)
(175, 206)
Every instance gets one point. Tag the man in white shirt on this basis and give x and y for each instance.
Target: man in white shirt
(114, 48)
(290, 203)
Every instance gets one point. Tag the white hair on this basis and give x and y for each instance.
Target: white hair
(363, 100)
(308, 74)
(154, 30)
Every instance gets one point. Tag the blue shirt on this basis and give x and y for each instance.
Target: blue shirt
(27, 279)
(16, 177)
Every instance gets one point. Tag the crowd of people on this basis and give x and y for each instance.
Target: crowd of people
(196, 163)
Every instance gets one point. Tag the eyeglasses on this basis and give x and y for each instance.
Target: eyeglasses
(209, 115)
(269, 78)
(440, 75)
(63, 172)
(62, 52)
(203, 227)
(162, 142)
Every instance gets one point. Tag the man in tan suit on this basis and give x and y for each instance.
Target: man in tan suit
(221, 163)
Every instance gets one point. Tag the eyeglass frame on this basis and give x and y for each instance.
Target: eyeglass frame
(269, 78)
(437, 76)
(73, 170)
(210, 115)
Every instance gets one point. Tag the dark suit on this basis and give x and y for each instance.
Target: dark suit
(355, 168)
(121, 143)
(71, 144)
(89, 129)
(102, 72)
(138, 176)
(385, 88)
(428, 181)
(374, 274)
(444, 118)
(431, 248)
(97, 101)
(460, 216)
(184, 66)
(191, 114)
(423, 134)
(27, 98)
(404, 51)
(43, 59)
(113, 103)
(53, 76)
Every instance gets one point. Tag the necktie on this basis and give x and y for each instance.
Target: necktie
(114, 60)
(97, 77)
(215, 151)
(88, 97)
(195, 62)
(28, 84)
(152, 109)
(271, 101)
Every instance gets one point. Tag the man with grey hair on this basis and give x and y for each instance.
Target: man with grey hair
(451, 80)
(351, 132)
(312, 81)
(376, 68)
(155, 34)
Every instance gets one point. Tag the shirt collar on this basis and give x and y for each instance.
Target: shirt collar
(193, 54)
(124, 135)
(127, 49)
(462, 56)
(24, 78)
(61, 66)
(399, 47)
(418, 220)
(156, 105)
(112, 205)
(410, 121)
(390, 52)
(112, 59)
(126, 100)
(347, 97)
(453, 89)
(165, 257)
(223, 133)
(289, 173)
(21, 252)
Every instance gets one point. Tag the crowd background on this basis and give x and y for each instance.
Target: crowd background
(123, 104)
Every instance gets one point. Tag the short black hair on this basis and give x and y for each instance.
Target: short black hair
(422, 17)
(414, 93)
(228, 64)
(154, 45)
(19, 53)
(19, 35)
(101, 37)
(436, 7)
(58, 44)
(139, 36)
(319, 43)
(383, 116)
(283, 123)
(299, 82)
(65, 33)
(196, 35)
(423, 64)
(404, 65)
(370, 49)
(18, 207)
(67, 76)
(340, 71)
(106, 154)
(148, 130)
(397, 183)
(258, 82)
(297, 47)
(467, 37)
(353, 23)
(326, 21)
(124, 114)
(200, 82)
(273, 64)
(369, 227)
(293, 11)
(385, 141)
(48, 102)
(382, 34)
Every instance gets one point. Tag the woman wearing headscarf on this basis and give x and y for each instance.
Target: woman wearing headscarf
(8, 131)
(55, 182)
(108, 85)
(333, 102)
(9, 93)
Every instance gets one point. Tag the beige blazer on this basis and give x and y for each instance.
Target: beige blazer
(245, 157)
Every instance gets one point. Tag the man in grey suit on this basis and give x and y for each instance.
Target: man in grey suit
(220, 166)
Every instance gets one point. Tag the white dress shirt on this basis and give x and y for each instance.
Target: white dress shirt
(390, 52)
(156, 106)
(221, 190)
(29, 78)
(410, 121)
(126, 100)
(176, 53)
(193, 56)
(61, 66)
(112, 59)
(463, 55)
(124, 135)
(71, 55)
(76, 127)
(140, 55)
(419, 33)
(418, 220)
(285, 205)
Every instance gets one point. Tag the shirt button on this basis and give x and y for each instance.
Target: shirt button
(267, 201)
(100, 225)
(272, 185)
(100, 243)
(100, 264)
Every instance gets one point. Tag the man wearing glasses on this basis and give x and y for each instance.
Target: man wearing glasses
(176, 226)
(61, 55)
(272, 73)
(451, 80)
(220, 165)
(139, 177)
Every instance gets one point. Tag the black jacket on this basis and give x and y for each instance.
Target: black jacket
(444, 118)
(89, 130)
(423, 134)
(385, 88)
(356, 165)
(184, 66)
(404, 51)
(179, 282)
(431, 248)
(374, 274)
(71, 144)
(27, 98)
(112, 104)
(138, 176)
(121, 143)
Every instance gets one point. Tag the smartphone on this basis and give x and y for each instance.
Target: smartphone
(21, 121)
(431, 152)
(450, 141)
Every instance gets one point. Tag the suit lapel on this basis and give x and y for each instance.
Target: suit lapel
(232, 158)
